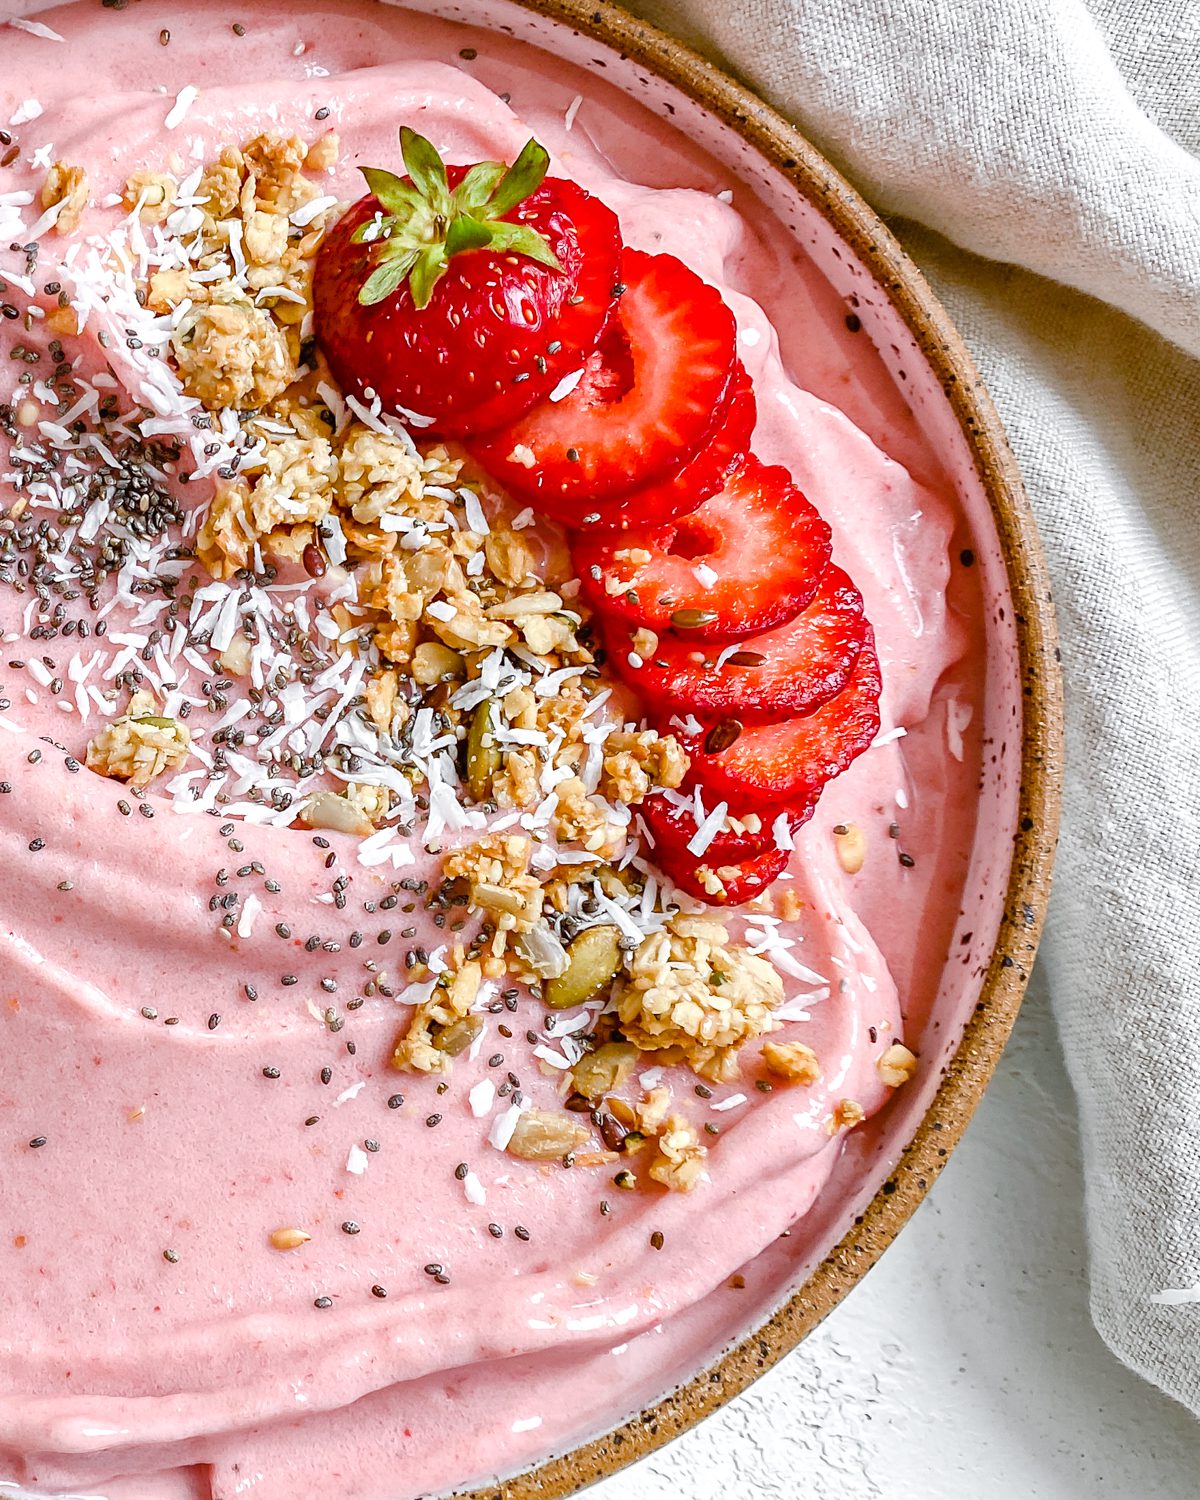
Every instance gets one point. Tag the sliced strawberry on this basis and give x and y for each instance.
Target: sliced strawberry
(699, 478)
(761, 541)
(673, 826)
(725, 884)
(652, 394)
(790, 761)
(790, 670)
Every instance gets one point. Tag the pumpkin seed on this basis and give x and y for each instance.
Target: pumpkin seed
(593, 958)
(598, 1073)
(458, 1036)
(483, 754)
(543, 1135)
(722, 735)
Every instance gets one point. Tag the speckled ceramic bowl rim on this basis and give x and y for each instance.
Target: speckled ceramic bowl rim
(783, 148)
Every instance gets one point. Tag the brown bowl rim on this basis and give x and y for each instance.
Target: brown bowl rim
(967, 1073)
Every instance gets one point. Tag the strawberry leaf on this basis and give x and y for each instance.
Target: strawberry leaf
(477, 186)
(466, 233)
(523, 240)
(426, 169)
(522, 178)
(377, 230)
(396, 195)
(386, 279)
(425, 224)
(428, 269)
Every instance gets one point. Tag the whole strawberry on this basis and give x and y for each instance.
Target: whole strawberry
(462, 296)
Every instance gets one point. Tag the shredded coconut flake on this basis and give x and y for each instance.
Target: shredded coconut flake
(250, 909)
(482, 1097)
(34, 28)
(1175, 1296)
(566, 385)
(184, 100)
(708, 830)
(503, 1127)
(28, 109)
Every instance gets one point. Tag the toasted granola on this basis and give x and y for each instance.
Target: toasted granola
(139, 745)
(232, 353)
(67, 186)
(497, 868)
(152, 194)
(382, 475)
(847, 1113)
(248, 284)
(792, 1061)
(423, 1046)
(635, 761)
(679, 1160)
(896, 1066)
(695, 997)
(357, 810)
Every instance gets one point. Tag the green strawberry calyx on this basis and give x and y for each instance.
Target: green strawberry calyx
(425, 223)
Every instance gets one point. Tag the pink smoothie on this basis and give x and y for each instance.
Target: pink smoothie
(162, 1107)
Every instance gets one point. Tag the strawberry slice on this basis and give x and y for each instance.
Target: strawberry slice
(791, 760)
(652, 394)
(749, 558)
(790, 670)
(700, 477)
(728, 884)
(672, 826)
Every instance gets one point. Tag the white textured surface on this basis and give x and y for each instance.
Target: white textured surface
(966, 1358)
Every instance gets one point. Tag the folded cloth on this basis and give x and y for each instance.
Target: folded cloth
(1039, 159)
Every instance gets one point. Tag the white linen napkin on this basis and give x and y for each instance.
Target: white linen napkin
(1040, 159)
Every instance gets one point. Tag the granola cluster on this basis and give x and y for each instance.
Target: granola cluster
(66, 186)
(359, 810)
(140, 744)
(696, 997)
(442, 1026)
(248, 288)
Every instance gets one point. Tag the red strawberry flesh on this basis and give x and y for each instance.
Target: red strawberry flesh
(749, 558)
(673, 826)
(729, 884)
(702, 476)
(791, 760)
(788, 671)
(500, 331)
(652, 394)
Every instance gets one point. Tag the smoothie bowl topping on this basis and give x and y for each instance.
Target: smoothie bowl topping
(433, 712)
